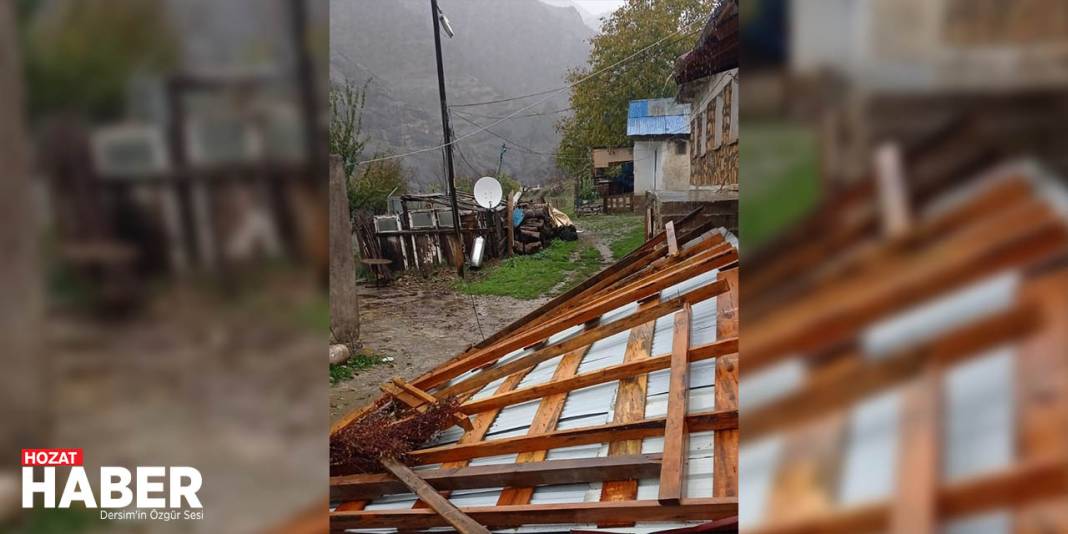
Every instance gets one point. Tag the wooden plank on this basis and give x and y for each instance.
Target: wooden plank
(673, 246)
(806, 483)
(370, 486)
(545, 420)
(699, 421)
(1018, 237)
(1042, 385)
(893, 192)
(586, 338)
(630, 406)
(913, 511)
(600, 376)
(1018, 485)
(425, 399)
(450, 513)
(676, 439)
(859, 378)
(725, 443)
(535, 514)
(704, 261)
(862, 257)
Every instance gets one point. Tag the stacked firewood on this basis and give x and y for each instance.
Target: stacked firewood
(536, 230)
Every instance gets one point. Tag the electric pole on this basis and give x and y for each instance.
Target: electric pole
(436, 14)
(500, 160)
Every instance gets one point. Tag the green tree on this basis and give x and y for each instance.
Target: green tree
(346, 123)
(79, 56)
(600, 104)
(372, 184)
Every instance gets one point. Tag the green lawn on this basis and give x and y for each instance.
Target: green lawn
(622, 233)
(780, 180)
(535, 275)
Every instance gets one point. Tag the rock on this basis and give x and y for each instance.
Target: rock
(339, 353)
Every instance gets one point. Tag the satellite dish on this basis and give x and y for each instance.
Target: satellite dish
(488, 192)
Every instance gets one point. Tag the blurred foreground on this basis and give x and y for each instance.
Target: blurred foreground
(905, 337)
(164, 288)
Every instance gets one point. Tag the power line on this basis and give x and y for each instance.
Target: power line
(542, 101)
(521, 148)
(542, 114)
(547, 91)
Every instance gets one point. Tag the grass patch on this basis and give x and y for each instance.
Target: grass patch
(627, 242)
(589, 262)
(622, 233)
(552, 270)
(524, 277)
(780, 177)
(340, 372)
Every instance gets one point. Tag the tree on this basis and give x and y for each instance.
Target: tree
(346, 122)
(79, 57)
(600, 104)
(372, 184)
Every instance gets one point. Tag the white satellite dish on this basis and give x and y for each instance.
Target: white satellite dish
(488, 192)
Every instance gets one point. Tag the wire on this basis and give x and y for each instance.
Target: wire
(477, 321)
(543, 114)
(542, 101)
(518, 146)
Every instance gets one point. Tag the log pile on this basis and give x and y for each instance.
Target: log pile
(535, 232)
(538, 229)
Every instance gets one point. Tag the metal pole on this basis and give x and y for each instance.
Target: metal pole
(447, 136)
(500, 160)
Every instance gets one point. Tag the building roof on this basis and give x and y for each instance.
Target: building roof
(658, 117)
(591, 405)
(717, 46)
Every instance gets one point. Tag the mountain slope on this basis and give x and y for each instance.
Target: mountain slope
(500, 50)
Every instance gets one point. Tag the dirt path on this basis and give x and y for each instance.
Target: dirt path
(419, 323)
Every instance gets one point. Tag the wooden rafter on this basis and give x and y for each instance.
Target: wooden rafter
(364, 486)
(698, 421)
(505, 516)
(634, 367)
(630, 406)
(676, 437)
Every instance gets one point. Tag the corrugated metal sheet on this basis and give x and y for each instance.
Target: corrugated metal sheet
(659, 116)
(595, 405)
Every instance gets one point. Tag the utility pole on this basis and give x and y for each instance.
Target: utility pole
(500, 160)
(435, 14)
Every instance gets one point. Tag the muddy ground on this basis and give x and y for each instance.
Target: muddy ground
(419, 323)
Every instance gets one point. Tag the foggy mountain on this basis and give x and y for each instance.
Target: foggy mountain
(500, 50)
(593, 20)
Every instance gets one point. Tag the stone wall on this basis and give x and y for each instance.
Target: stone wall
(718, 166)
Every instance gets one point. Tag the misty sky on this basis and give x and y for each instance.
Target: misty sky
(598, 7)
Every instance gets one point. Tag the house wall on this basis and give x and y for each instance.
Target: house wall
(933, 44)
(714, 143)
(661, 164)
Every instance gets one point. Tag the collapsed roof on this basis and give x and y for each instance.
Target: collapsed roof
(598, 409)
